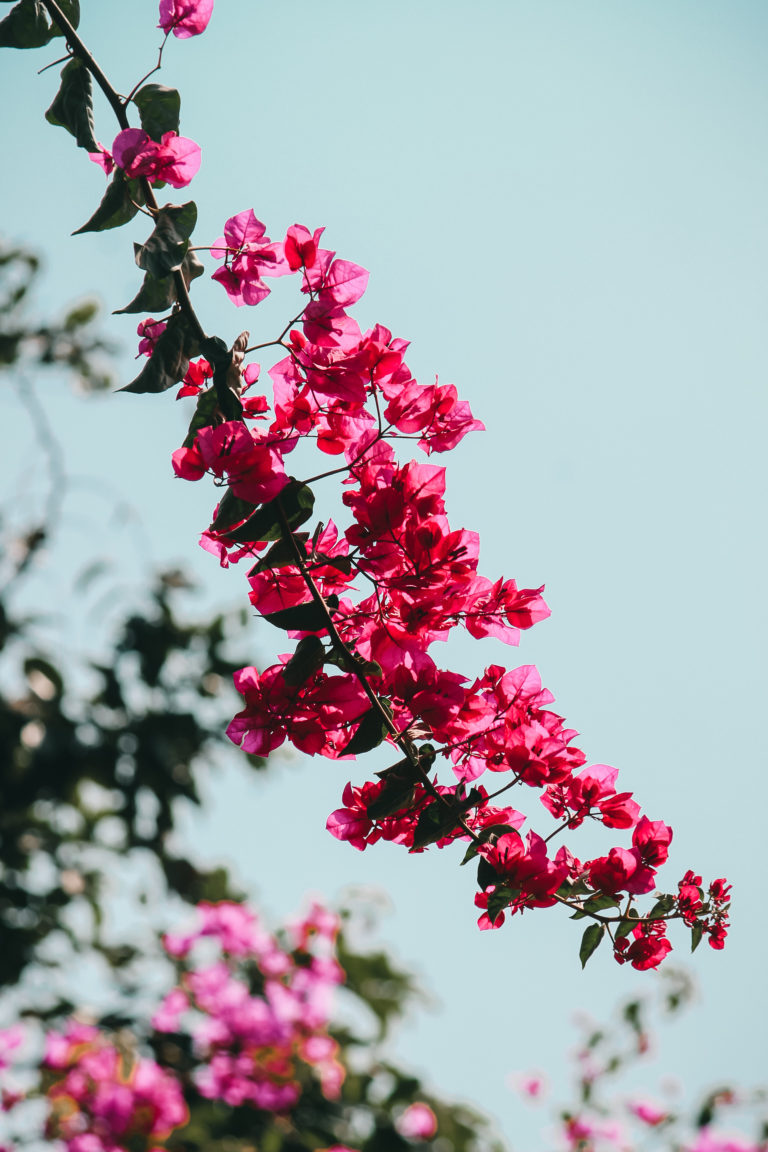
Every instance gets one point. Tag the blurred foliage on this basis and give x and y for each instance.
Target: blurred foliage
(97, 758)
(70, 343)
(103, 769)
(92, 774)
(607, 1113)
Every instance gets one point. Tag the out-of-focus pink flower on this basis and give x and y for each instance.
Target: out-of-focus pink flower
(418, 1122)
(10, 1039)
(530, 1084)
(647, 1111)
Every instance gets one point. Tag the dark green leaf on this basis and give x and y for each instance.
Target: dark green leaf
(166, 248)
(119, 204)
(349, 662)
(626, 925)
(71, 9)
(306, 660)
(499, 899)
(281, 554)
(221, 359)
(340, 563)
(590, 941)
(25, 26)
(169, 362)
(369, 733)
(232, 510)
(296, 501)
(437, 820)
(662, 907)
(310, 617)
(159, 295)
(396, 794)
(696, 933)
(73, 107)
(599, 902)
(158, 109)
(205, 415)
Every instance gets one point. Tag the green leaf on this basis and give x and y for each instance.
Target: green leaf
(697, 931)
(397, 792)
(232, 510)
(281, 554)
(73, 106)
(221, 358)
(159, 295)
(590, 941)
(81, 315)
(166, 248)
(297, 501)
(437, 820)
(25, 26)
(625, 926)
(205, 415)
(340, 563)
(120, 203)
(158, 109)
(310, 617)
(169, 362)
(306, 660)
(349, 662)
(599, 902)
(662, 907)
(499, 899)
(487, 876)
(369, 733)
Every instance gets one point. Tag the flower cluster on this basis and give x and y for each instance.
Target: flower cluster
(246, 1026)
(256, 1006)
(103, 1097)
(365, 604)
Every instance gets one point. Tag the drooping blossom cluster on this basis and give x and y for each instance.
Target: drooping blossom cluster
(364, 605)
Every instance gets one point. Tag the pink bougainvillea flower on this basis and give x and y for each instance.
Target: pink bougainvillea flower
(10, 1039)
(530, 1084)
(102, 158)
(150, 331)
(301, 246)
(174, 160)
(650, 1113)
(185, 18)
(418, 1122)
(248, 255)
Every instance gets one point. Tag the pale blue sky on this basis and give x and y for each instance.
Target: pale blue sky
(562, 204)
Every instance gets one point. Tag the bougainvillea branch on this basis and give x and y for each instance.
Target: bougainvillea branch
(363, 604)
